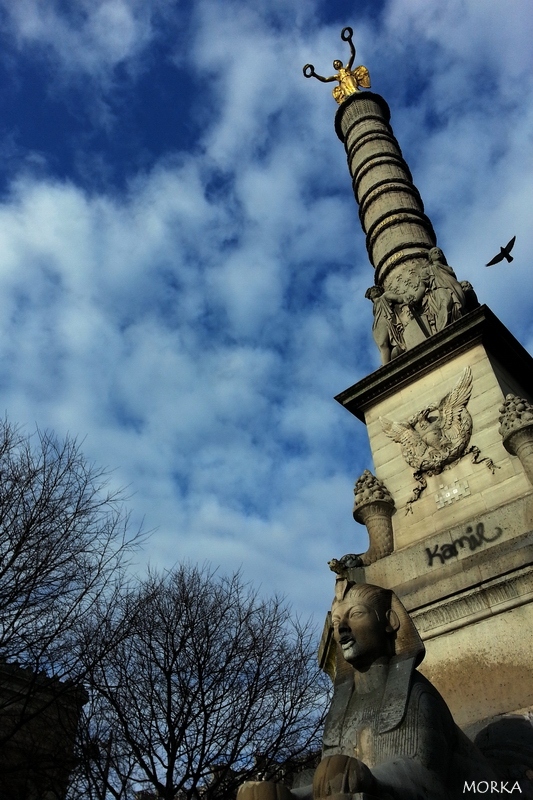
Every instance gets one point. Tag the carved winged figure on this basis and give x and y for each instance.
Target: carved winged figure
(438, 434)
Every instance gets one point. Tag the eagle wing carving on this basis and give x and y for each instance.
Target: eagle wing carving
(455, 421)
(411, 443)
(438, 434)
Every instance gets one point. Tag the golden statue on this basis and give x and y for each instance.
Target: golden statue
(349, 79)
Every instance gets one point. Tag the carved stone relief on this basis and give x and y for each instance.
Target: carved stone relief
(515, 413)
(374, 507)
(450, 494)
(516, 429)
(437, 435)
(416, 303)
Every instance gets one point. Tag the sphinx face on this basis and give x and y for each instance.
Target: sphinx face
(363, 637)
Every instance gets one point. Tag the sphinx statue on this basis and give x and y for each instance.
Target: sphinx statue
(389, 735)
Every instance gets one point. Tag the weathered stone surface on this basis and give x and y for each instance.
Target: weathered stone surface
(487, 489)
(437, 434)
(470, 575)
(515, 413)
(462, 557)
(462, 562)
(399, 390)
(419, 293)
(38, 721)
(389, 734)
(374, 507)
(390, 207)
(478, 679)
(511, 363)
(459, 558)
(516, 429)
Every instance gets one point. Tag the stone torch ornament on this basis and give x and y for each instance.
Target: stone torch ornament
(516, 430)
(374, 507)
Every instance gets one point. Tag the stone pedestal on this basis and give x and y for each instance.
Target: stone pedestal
(463, 552)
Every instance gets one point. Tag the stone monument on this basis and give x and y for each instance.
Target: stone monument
(448, 506)
(450, 424)
(389, 734)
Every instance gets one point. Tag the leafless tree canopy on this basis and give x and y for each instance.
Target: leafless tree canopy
(63, 553)
(206, 681)
(62, 549)
(194, 682)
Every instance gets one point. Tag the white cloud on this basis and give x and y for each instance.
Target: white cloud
(196, 326)
(93, 36)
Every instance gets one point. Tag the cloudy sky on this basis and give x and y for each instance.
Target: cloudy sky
(182, 270)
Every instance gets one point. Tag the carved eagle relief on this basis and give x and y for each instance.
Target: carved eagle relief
(438, 434)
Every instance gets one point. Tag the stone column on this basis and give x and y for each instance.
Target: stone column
(398, 233)
(516, 429)
(374, 508)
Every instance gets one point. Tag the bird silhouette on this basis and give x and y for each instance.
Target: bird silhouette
(505, 252)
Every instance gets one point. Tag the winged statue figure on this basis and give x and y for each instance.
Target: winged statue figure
(349, 79)
(438, 434)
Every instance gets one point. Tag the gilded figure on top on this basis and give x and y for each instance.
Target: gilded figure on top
(349, 79)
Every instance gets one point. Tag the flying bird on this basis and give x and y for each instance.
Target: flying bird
(504, 253)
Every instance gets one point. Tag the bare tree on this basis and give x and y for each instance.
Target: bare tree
(64, 547)
(207, 682)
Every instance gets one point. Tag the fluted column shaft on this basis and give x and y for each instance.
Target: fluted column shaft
(398, 232)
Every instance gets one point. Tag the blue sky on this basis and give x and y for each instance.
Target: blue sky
(182, 270)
